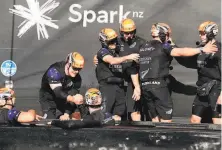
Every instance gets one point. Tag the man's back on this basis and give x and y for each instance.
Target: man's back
(155, 60)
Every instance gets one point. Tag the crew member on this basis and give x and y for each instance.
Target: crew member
(131, 43)
(209, 75)
(109, 72)
(59, 92)
(9, 114)
(155, 59)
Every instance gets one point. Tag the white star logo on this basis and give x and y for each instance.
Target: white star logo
(35, 15)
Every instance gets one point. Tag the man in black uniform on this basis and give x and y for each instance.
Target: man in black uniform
(155, 59)
(208, 66)
(9, 114)
(130, 43)
(59, 93)
(109, 72)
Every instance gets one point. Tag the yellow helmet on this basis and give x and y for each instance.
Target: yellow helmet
(93, 97)
(107, 34)
(76, 60)
(6, 94)
(108, 38)
(160, 27)
(208, 27)
(127, 25)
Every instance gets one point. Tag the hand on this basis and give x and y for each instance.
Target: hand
(210, 48)
(136, 93)
(95, 60)
(133, 56)
(219, 100)
(38, 118)
(78, 99)
(64, 117)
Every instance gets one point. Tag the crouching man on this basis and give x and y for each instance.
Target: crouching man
(93, 98)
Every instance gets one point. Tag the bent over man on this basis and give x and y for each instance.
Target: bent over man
(59, 93)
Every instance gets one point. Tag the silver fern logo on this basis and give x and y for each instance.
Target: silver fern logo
(35, 15)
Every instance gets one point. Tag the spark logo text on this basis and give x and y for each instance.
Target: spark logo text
(102, 16)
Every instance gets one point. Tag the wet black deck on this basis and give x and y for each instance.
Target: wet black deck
(108, 138)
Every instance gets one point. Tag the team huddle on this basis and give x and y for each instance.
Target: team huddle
(133, 76)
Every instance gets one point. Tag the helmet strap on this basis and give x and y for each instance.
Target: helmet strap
(12, 105)
(112, 50)
(162, 37)
(210, 36)
(68, 65)
(69, 61)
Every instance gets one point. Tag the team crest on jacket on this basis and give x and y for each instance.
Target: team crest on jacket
(69, 84)
(133, 45)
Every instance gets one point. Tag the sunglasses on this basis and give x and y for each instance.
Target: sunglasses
(76, 69)
(113, 41)
(202, 33)
(127, 33)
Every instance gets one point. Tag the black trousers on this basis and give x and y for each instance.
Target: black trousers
(204, 103)
(157, 101)
(113, 96)
(55, 107)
